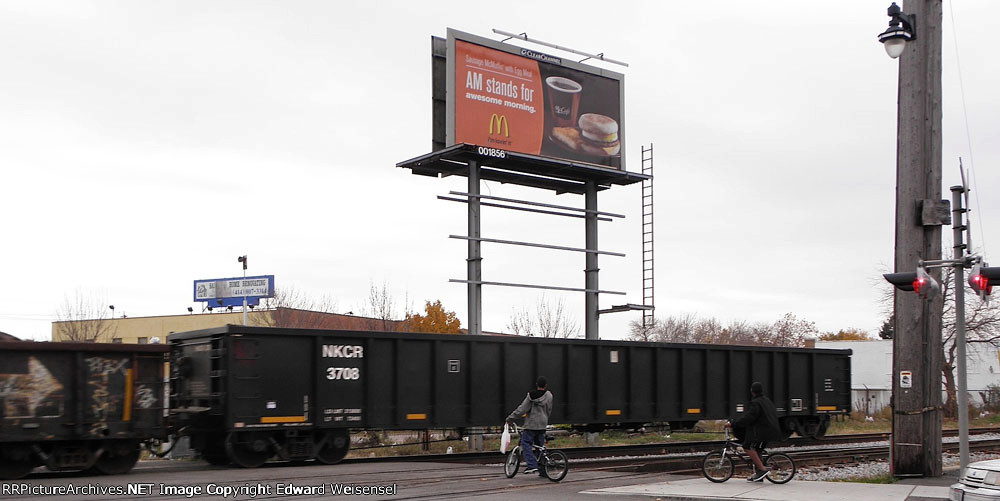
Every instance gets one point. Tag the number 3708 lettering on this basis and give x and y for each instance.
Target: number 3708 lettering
(343, 373)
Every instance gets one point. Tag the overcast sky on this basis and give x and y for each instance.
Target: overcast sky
(144, 145)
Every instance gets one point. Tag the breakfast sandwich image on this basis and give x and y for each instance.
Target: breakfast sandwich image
(596, 135)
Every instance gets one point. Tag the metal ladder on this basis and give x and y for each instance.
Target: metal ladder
(647, 236)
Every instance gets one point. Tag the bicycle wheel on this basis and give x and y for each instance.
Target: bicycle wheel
(717, 467)
(782, 468)
(556, 465)
(512, 463)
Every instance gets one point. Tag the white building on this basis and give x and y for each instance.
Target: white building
(871, 372)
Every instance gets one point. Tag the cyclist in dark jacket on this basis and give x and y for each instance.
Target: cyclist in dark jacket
(537, 405)
(761, 423)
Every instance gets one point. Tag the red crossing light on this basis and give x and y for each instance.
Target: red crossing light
(981, 279)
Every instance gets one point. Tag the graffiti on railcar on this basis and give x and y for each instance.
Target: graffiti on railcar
(34, 394)
(104, 403)
(144, 397)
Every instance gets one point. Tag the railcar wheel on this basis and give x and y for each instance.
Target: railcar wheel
(248, 450)
(716, 467)
(117, 462)
(824, 424)
(13, 469)
(338, 442)
(513, 462)
(556, 466)
(815, 426)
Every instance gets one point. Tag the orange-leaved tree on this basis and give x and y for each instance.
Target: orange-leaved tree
(845, 335)
(435, 319)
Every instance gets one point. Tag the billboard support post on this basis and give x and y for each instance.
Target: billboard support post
(475, 259)
(591, 271)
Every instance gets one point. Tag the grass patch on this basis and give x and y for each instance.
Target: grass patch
(882, 423)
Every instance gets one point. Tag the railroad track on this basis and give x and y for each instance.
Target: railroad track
(617, 454)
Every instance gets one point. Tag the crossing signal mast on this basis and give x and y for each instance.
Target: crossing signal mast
(981, 280)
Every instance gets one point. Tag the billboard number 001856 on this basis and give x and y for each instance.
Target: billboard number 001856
(491, 152)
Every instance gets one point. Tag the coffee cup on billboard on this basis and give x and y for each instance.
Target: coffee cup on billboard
(564, 100)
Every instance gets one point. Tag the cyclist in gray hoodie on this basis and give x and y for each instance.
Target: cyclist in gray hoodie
(538, 405)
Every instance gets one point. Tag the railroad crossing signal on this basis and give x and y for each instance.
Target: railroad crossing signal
(902, 281)
(982, 278)
(925, 286)
(920, 282)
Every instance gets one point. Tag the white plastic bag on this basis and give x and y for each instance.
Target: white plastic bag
(504, 439)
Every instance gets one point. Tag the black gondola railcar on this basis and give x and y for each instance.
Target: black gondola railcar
(78, 406)
(245, 394)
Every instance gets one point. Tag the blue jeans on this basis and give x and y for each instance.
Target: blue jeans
(529, 437)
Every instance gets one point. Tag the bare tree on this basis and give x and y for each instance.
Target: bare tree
(553, 321)
(84, 318)
(380, 308)
(549, 320)
(641, 332)
(520, 323)
(791, 331)
(292, 308)
(786, 331)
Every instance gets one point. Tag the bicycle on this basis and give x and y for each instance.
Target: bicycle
(552, 463)
(718, 465)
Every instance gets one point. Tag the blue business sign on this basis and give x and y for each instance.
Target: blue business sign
(231, 291)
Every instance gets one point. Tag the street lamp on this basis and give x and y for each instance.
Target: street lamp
(902, 29)
(112, 310)
(243, 259)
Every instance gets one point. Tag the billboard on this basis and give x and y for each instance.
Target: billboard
(231, 291)
(510, 98)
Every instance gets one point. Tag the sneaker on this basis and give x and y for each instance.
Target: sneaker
(759, 476)
(531, 470)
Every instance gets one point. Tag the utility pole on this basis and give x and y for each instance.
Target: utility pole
(916, 423)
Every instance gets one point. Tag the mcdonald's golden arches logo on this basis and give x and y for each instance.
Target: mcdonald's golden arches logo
(501, 124)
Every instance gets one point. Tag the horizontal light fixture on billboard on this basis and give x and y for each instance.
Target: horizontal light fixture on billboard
(514, 99)
(226, 288)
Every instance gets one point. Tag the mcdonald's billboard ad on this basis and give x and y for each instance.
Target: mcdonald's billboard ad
(514, 99)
